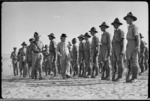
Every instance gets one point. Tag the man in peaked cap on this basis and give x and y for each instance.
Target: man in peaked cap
(132, 48)
(37, 49)
(106, 49)
(14, 61)
(95, 45)
(141, 54)
(117, 50)
(53, 54)
(75, 56)
(29, 57)
(65, 57)
(87, 56)
(81, 56)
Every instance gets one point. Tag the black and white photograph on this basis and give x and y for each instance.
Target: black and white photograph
(74, 50)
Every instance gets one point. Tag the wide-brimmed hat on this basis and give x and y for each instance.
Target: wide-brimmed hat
(104, 24)
(24, 44)
(15, 48)
(63, 35)
(81, 36)
(51, 35)
(31, 39)
(131, 16)
(116, 21)
(87, 35)
(93, 29)
(141, 36)
(36, 34)
(74, 40)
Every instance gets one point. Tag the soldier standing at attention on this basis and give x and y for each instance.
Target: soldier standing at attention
(45, 60)
(65, 57)
(29, 57)
(117, 50)
(75, 56)
(106, 49)
(19, 60)
(23, 57)
(37, 56)
(132, 48)
(87, 56)
(81, 55)
(53, 54)
(95, 45)
(14, 61)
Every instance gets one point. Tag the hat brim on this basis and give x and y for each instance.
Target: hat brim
(116, 23)
(133, 17)
(24, 44)
(94, 31)
(87, 36)
(51, 36)
(81, 37)
(104, 26)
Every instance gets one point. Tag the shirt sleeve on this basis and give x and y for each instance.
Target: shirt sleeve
(122, 34)
(135, 31)
(109, 42)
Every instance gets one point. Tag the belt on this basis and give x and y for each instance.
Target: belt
(37, 52)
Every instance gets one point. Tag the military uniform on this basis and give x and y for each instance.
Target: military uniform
(117, 48)
(142, 55)
(14, 62)
(53, 57)
(75, 56)
(19, 60)
(46, 61)
(106, 49)
(81, 59)
(37, 57)
(146, 58)
(131, 52)
(95, 53)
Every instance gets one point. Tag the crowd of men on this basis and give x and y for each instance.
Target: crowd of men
(88, 59)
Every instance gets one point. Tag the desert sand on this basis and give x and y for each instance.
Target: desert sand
(14, 87)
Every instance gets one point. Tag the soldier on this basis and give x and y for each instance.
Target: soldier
(132, 48)
(65, 57)
(101, 64)
(117, 50)
(106, 49)
(81, 55)
(53, 54)
(87, 56)
(19, 60)
(29, 57)
(37, 49)
(14, 61)
(45, 60)
(23, 58)
(75, 56)
(95, 45)
(141, 54)
(146, 57)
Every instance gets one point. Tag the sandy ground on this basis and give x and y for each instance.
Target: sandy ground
(74, 88)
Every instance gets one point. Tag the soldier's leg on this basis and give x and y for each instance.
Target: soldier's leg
(142, 65)
(34, 61)
(108, 67)
(113, 69)
(103, 70)
(96, 66)
(128, 70)
(120, 68)
(40, 58)
(146, 64)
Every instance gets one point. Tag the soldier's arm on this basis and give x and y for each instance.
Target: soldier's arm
(122, 41)
(142, 48)
(97, 45)
(136, 34)
(55, 50)
(58, 49)
(109, 44)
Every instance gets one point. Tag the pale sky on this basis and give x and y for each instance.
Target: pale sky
(21, 19)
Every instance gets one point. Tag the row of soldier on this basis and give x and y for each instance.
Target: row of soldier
(89, 59)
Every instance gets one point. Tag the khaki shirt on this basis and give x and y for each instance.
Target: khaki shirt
(52, 46)
(95, 44)
(38, 47)
(132, 32)
(75, 52)
(23, 54)
(29, 52)
(81, 51)
(118, 36)
(13, 55)
(87, 49)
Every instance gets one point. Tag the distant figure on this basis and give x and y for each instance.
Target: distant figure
(81, 56)
(94, 52)
(65, 57)
(14, 61)
(46, 64)
(23, 58)
(142, 54)
(75, 56)
(37, 62)
(132, 48)
(146, 58)
(106, 50)
(53, 54)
